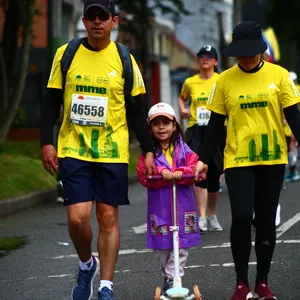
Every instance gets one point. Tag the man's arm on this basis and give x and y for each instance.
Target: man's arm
(50, 113)
(137, 116)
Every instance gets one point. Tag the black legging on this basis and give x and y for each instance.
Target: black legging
(255, 187)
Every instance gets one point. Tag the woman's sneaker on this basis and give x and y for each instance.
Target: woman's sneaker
(213, 224)
(242, 292)
(106, 294)
(202, 224)
(83, 290)
(262, 292)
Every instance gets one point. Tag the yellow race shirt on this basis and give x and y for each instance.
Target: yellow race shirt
(298, 88)
(287, 129)
(198, 91)
(94, 125)
(254, 102)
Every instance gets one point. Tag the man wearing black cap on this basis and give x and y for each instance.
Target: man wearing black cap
(252, 95)
(93, 143)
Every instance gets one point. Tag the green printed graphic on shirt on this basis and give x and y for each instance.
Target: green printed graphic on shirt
(94, 127)
(253, 104)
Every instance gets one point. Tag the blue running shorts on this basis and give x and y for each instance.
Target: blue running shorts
(85, 181)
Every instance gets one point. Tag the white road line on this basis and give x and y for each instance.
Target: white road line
(140, 251)
(140, 229)
(287, 225)
(225, 265)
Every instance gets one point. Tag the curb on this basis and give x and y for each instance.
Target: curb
(22, 202)
(13, 205)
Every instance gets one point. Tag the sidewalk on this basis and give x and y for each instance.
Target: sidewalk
(13, 205)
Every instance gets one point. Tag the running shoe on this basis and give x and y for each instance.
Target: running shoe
(278, 219)
(202, 224)
(106, 294)
(262, 292)
(292, 177)
(213, 224)
(60, 193)
(242, 292)
(83, 290)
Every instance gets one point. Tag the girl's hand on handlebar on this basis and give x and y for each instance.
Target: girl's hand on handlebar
(166, 174)
(177, 175)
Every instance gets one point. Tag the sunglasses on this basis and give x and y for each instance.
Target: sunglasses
(207, 56)
(92, 14)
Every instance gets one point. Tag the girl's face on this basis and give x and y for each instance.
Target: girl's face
(249, 62)
(162, 128)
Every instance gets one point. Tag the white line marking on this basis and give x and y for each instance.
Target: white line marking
(63, 243)
(140, 229)
(60, 276)
(140, 251)
(226, 265)
(287, 225)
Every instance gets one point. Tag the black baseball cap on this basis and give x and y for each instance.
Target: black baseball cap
(247, 40)
(107, 5)
(208, 49)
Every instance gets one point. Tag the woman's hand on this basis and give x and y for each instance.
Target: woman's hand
(200, 168)
(184, 113)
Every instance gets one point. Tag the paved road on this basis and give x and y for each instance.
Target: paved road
(45, 268)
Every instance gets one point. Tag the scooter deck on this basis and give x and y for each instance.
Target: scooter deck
(190, 297)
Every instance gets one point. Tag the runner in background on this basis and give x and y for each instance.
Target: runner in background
(197, 88)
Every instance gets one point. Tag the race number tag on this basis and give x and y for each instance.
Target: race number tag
(203, 116)
(89, 110)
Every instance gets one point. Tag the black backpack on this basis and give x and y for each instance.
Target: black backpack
(127, 74)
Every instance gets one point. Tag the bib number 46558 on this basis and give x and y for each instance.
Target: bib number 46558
(88, 110)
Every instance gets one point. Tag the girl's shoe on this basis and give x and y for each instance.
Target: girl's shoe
(168, 284)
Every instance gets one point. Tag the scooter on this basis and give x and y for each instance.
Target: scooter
(177, 291)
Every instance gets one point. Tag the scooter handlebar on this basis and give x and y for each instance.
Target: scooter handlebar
(184, 176)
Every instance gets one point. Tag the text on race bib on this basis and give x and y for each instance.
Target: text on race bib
(89, 110)
(203, 116)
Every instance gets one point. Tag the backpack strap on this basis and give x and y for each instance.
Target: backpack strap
(67, 58)
(127, 70)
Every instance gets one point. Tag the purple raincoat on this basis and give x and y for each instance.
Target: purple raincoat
(160, 207)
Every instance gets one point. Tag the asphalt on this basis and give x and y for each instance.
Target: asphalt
(22, 202)
(45, 268)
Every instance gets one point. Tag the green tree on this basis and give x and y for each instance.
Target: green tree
(19, 15)
(141, 23)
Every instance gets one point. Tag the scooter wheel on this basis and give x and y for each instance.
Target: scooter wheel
(197, 293)
(157, 293)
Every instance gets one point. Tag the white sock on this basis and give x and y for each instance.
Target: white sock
(86, 265)
(105, 283)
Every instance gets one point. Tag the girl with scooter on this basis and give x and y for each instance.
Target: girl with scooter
(173, 159)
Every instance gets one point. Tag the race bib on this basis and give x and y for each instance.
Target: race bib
(89, 110)
(203, 116)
